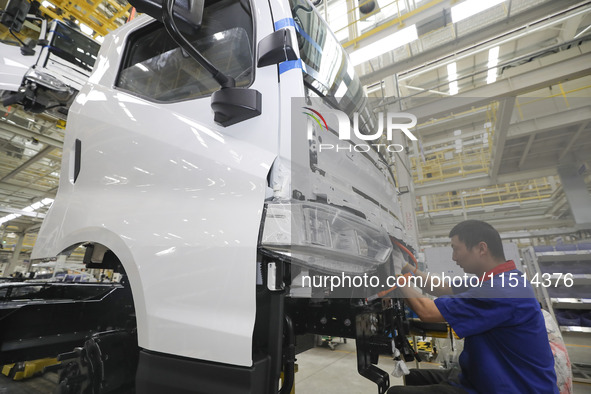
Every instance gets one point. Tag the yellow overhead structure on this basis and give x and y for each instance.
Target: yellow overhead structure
(445, 161)
(449, 161)
(28, 30)
(515, 192)
(102, 16)
(399, 20)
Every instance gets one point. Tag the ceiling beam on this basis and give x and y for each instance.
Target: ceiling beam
(503, 120)
(521, 21)
(504, 224)
(40, 155)
(557, 206)
(522, 209)
(570, 27)
(559, 120)
(470, 120)
(24, 132)
(516, 234)
(530, 141)
(482, 181)
(541, 77)
(423, 13)
(23, 213)
(572, 141)
(33, 192)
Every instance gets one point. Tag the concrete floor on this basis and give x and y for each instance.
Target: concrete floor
(320, 371)
(45, 384)
(325, 371)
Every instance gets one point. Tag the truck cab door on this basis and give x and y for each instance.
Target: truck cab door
(182, 194)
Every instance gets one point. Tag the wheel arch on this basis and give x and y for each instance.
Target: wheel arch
(114, 243)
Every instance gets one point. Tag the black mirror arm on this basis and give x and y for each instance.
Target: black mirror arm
(225, 81)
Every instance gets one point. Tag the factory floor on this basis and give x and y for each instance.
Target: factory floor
(325, 371)
(320, 371)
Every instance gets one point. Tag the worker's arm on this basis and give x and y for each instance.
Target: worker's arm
(427, 286)
(424, 307)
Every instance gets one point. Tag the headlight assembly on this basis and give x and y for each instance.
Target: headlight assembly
(325, 238)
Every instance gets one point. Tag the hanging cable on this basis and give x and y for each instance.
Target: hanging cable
(409, 253)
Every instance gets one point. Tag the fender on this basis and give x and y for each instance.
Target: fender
(118, 246)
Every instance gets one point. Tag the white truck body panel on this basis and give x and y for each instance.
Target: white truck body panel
(69, 73)
(203, 186)
(13, 67)
(179, 199)
(49, 79)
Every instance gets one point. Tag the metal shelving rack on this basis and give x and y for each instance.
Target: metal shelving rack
(577, 297)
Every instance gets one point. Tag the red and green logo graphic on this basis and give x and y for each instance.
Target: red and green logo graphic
(316, 115)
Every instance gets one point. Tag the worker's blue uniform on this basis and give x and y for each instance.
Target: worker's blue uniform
(506, 348)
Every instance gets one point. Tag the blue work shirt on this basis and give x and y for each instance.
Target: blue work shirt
(506, 346)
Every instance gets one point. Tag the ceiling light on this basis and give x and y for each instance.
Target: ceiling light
(493, 56)
(37, 205)
(452, 71)
(9, 218)
(471, 7)
(452, 76)
(493, 60)
(453, 88)
(491, 76)
(384, 45)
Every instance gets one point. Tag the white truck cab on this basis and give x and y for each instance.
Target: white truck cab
(43, 74)
(192, 165)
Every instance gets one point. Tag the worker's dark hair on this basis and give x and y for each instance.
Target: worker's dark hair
(472, 232)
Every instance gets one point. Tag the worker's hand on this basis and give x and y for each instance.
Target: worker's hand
(408, 268)
(404, 283)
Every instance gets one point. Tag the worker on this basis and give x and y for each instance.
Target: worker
(506, 348)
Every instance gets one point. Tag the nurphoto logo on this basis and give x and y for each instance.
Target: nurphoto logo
(392, 120)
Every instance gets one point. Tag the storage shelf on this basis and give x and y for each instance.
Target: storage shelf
(581, 372)
(559, 257)
(578, 279)
(586, 330)
(571, 303)
(552, 298)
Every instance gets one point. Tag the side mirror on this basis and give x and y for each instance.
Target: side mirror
(28, 48)
(234, 105)
(188, 14)
(276, 48)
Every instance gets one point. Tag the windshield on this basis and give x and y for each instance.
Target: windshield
(73, 46)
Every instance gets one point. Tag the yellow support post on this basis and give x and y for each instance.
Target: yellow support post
(281, 378)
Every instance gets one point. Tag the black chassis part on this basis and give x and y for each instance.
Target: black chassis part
(273, 351)
(60, 317)
(373, 324)
(162, 373)
(107, 363)
(37, 99)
